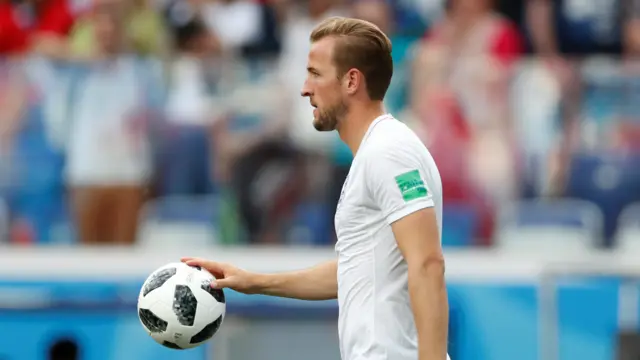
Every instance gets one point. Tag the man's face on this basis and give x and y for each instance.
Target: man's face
(107, 26)
(323, 88)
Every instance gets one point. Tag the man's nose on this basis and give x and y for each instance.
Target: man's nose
(305, 91)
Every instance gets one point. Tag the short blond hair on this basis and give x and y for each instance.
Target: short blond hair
(363, 46)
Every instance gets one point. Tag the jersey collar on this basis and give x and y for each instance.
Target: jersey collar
(375, 122)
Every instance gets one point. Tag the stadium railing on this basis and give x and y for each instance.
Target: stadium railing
(626, 273)
(496, 299)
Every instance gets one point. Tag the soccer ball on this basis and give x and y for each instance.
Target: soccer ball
(178, 307)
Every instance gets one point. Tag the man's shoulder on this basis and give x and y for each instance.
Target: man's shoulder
(392, 138)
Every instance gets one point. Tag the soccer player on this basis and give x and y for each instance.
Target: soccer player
(389, 273)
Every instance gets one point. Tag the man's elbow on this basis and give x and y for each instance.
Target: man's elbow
(431, 267)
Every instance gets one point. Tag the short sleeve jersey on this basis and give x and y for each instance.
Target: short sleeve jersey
(392, 176)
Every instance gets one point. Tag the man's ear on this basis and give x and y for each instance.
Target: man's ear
(353, 80)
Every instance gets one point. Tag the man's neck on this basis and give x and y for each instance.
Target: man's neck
(355, 125)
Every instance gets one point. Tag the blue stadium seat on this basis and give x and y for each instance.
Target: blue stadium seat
(179, 220)
(610, 181)
(183, 208)
(628, 229)
(459, 225)
(311, 225)
(569, 224)
(183, 162)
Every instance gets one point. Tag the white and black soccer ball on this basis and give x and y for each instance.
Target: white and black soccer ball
(178, 307)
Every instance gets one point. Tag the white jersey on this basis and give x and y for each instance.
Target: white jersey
(392, 176)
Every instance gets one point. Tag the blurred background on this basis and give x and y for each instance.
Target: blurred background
(133, 132)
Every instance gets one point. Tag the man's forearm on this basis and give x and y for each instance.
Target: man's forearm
(431, 309)
(317, 283)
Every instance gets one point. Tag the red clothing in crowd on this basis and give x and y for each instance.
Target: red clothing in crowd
(492, 36)
(18, 23)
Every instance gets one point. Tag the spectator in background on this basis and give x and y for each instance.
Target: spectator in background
(268, 43)
(178, 13)
(13, 102)
(575, 28)
(255, 159)
(381, 13)
(184, 160)
(236, 23)
(631, 31)
(460, 95)
(377, 12)
(628, 132)
(604, 97)
(197, 107)
(145, 29)
(108, 152)
(13, 96)
(39, 25)
(563, 34)
(326, 158)
(35, 155)
(298, 24)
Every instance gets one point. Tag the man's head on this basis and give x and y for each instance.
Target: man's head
(349, 61)
(108, 26)
(192, 38)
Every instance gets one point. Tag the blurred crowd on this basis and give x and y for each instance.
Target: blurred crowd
(118, 113)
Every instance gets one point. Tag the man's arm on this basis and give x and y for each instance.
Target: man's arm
(418, 239)
(403, 187)
(316, 283)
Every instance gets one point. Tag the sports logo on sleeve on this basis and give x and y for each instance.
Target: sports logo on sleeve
(411, 185)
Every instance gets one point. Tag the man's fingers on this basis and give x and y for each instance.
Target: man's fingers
(202, 263)
(194, 261)
(220, 283)
(213, 267)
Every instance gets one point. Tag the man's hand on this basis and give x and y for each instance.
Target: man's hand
(227, 276)
(418, 239)
(316, 283)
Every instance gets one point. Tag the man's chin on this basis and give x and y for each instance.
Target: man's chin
(319, 126)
